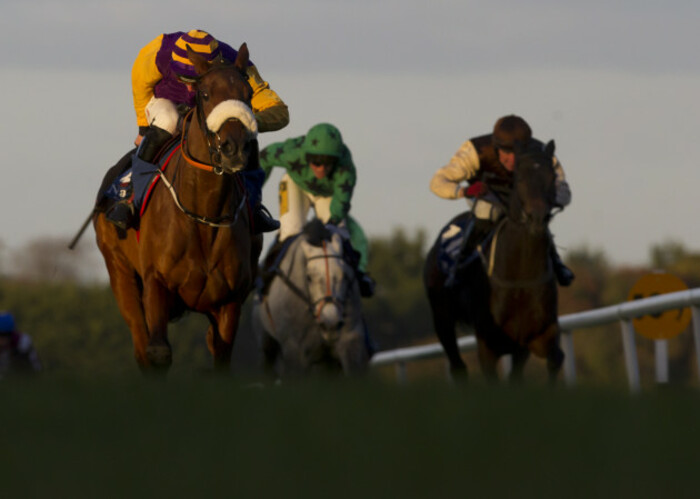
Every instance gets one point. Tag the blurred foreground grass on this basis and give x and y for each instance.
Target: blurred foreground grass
(205, 436)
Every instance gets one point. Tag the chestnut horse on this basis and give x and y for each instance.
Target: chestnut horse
(194, 249)
(510, 295)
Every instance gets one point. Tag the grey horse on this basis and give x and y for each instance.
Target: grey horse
(310, 318)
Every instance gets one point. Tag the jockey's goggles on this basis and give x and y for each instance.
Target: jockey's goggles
(321, 160)
(188, 80)
(502, 145)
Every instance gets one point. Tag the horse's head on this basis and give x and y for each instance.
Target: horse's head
(533, 189)
(224, 112)
(329, 278)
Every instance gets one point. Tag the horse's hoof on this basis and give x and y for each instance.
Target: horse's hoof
(459, 375)
(159, 355)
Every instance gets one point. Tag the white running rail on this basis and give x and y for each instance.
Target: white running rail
(622, 313)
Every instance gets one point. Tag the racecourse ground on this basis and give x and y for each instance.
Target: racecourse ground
(210, 437)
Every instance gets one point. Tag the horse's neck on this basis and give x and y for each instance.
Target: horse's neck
(293, 264)
(521, 254)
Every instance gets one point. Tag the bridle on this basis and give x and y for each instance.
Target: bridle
(213, 138)
(215, 166)
(520, 217)
(315, 307)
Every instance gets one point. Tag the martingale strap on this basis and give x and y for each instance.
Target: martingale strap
(165, 162)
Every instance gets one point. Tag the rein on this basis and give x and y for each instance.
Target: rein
(313, 307)
(521, 219)
(220, 221)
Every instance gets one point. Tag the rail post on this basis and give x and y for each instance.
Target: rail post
(630, 348)
(567, 342)
(696, 335)
(661, 360)
(401, 375)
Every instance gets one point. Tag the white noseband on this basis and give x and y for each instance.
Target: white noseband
(228, 109)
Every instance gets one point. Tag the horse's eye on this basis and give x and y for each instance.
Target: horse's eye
(205, 96)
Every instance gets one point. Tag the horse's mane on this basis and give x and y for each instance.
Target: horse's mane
(316, 232)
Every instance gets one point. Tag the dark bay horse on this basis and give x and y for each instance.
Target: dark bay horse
(194, 250)
(311, 320)
(510, 295)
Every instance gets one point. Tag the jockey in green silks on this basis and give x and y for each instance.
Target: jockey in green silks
(319, 173)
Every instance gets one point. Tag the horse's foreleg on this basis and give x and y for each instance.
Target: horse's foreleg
(547, 346)
(127, 293)
(445, 323)
(271, 351)
(156, 301)
(488, 360)
(222, 333)
(352, 353)
(519, 360)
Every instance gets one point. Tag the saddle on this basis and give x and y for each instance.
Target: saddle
(270, 266)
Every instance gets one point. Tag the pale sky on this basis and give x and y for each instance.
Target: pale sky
(613, 83)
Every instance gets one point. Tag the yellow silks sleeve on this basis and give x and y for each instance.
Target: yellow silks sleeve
(144, 76)
(270, 112)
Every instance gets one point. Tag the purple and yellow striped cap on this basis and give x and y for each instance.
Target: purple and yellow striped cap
(202, 43)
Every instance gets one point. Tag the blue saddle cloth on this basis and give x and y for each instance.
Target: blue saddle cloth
(138, 178)
(451, 239)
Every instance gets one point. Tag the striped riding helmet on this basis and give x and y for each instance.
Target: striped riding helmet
(202, 43)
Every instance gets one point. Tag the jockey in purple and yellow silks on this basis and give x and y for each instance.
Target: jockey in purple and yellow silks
(162, 79)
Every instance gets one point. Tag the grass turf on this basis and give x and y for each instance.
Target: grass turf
(191, 437)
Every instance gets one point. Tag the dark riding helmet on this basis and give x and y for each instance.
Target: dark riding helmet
(508, 130)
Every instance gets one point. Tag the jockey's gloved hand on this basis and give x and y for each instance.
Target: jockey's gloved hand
(476, 190)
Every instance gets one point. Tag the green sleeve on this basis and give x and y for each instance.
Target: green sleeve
(344, 180)
(284, 154)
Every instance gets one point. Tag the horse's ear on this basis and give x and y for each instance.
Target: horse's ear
(201, 65)
(242, 58)
(549, 148)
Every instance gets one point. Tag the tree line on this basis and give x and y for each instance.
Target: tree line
(77, 328)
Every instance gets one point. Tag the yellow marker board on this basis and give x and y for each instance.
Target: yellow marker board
(663, 325)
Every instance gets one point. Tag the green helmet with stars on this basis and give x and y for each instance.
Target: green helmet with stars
(324, 140)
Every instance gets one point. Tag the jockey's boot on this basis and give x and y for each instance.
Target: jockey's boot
(477, 230)
(152, 142)
(121, 214)
(564, 274)
(263, 220)
(367, 284)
